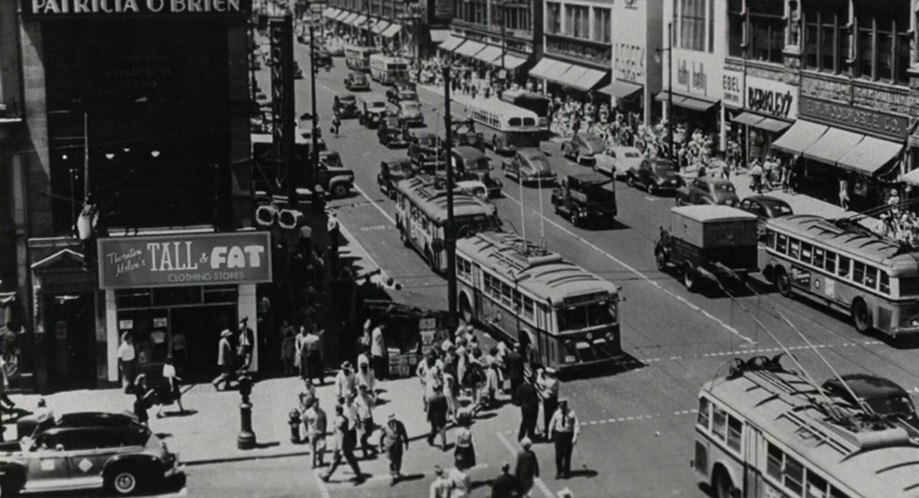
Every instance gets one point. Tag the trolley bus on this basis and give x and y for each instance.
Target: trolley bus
(763, 432)
(388, 70)
(421, 217)
(530, 101)
(850, 269)
(566, 315)
(358, 57)
(505, 126)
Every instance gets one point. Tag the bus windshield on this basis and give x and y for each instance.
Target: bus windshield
(586, 315)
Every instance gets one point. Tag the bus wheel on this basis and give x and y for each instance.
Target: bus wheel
(465, 309)
(860, 315)
(661, 258)
(722, 485)
(689, 278)
(782, 282)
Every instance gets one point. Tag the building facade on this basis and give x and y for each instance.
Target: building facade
(384, 23)
(577, 47)
(636, 72)
(140, 116)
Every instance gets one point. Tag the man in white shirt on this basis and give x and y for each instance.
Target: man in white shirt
(363, 407)
(127, 362)
(378, 352)
(563, 429)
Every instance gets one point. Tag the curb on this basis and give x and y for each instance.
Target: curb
(243, 458)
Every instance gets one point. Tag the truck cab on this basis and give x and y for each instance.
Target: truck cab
(585, 196)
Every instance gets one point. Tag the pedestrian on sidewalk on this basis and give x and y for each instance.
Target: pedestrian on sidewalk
(345, 442)
(563, 429)
(528, 399)
(437, 417)
(143, 396)
(364, 376)
(314, 419)
(440, 488)
(378, 352)
(464, 453)
(364, 408)
(172, 388)
(527, 468)
(225, 361)
(245, 344)
(345, 382)
(505, 485)
(336, 124)
(460, 483)
(288, 349)
(4, 385)
(515, 369)
(548, 390)
(394, 441)
(127, 361)
(756, 175)
(450, 387)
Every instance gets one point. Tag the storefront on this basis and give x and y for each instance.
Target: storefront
(833, 142)
(636, 75)
(757, 112)
(563, 77)
(174, 294)
(697, 93)
(483, 56)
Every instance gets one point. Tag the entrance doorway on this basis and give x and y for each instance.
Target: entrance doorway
(201, 327)
(70, 329)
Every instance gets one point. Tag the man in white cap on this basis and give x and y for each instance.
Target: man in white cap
(563, 429)
(547, 383)
(394, 442)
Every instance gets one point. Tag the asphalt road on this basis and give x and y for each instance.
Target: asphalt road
(637, 423)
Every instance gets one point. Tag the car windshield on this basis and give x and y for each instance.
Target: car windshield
(779, 209)
(539, 162)
(411, 106)
(631, 154)
(723, 187)
(588, 315)
(594, 143)
(480, 164)
(378, 104)
(359, 77)
(347, 99)
(331, 159)
(664, 167)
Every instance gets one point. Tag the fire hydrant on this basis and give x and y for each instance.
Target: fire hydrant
(293, 419)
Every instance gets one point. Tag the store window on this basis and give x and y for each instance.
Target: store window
(826, 45)
(692, 25)
(553, 18)
(602, 25)
(883, 41)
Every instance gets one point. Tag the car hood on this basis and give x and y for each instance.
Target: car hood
(411, 113)
(594, 148)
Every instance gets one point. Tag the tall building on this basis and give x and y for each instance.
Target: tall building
(142, 114)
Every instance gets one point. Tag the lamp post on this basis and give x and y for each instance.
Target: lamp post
(450, 235)
(503, 35)
(669, 51)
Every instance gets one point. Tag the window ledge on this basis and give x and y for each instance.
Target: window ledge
(792, 51)
(913, 69)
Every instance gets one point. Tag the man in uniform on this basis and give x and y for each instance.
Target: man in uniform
(563, 429)
(394, 441)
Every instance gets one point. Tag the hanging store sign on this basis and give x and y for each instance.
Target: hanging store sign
(105, 8)
(856, 119)
(185, 259)
(732, 86)
(771, 98)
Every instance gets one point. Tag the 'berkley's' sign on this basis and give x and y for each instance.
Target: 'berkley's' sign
(186, 259)
(65, 8)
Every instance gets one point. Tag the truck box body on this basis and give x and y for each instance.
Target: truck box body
(711, 227)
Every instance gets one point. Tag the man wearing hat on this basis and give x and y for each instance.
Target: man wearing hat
(225, 360)
(505, 485)
(394, 441)
(563, 429)
(246, 343)
(345, 382)
(548, 391)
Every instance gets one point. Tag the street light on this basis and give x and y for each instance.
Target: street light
(669, 51)
(450, 235)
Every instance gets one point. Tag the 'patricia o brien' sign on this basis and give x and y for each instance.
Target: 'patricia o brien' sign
(185, 259)
(62, 8)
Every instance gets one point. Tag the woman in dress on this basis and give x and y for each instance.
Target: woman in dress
(464, 454)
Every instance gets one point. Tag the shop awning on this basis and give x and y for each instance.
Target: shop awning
(380, 26)
(450, 43)
(359, 21)
(911, 178)
(489, 54)
(341, 15)
(348, 18)
(747, 119)
(439, 35)
(330, 12)
(392, 30)
(870, 155)
(621, 89)
(691, 103)
(832, 145)
(512, 62)
(773, 125)
(581, 78)
(799, 137)
(470, 48)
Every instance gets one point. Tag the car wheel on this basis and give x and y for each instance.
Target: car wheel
(861, 316)
(660, 257)
(783, 283)
(679, 200)
(123, 481)
(340, 190)
(630, 180)
(652, 189)
(690, 278)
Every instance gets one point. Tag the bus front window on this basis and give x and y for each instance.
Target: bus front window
(588, 315)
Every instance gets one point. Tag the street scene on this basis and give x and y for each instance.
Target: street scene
(462, 249)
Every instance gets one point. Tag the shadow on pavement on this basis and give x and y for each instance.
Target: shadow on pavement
(585, 473)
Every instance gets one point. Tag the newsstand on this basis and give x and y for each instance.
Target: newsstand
(410, 333)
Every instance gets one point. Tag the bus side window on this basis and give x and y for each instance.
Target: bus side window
(774, 459)
(781, 243)
(885, 282)
(871, 277)
(830, 262)
(844, 264)
(858, 272)
(770, 235)
(719, 422)
(818, 257)
(835, 493)
(794, 475)
(806, 250)
(816, 486)
(794, 248)
(703, 418)
(735, 431)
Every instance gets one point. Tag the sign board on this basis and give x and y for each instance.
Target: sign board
(697, 74)
(853, 118)
(185, 259)
(733, 87)
(630, 45)
(771, 98)
(135, 8)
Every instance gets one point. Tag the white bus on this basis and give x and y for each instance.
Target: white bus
(763, 432)
(421, 217)
(357, 57)
(504, 126)
(388, 70)
(568, 316)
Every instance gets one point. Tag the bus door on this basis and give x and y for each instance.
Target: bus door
(752, 441)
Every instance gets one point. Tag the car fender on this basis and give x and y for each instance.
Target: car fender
(335, 180)
(147, 465)
(13, 470)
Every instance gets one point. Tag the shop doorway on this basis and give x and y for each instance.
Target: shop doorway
(200, 326)
(70, 331)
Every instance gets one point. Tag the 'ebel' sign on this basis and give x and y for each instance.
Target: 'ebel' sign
(185, 259)
(62, 8)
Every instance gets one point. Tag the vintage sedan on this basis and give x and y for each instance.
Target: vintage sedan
(530, 165)
(655, 176)
(392, 133)
(392, 171)
(583, 148)
(401, 91)
(765, 206)
(883, 396)
(409, 112)
(707, 190)
(87, 451)
(622, 159)
(345, 106)
(357, 81)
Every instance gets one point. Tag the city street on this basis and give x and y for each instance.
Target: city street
(638, 422)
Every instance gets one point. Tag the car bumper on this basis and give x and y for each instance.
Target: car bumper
(175, 468)
(359, 87)
(416, 121)
(539, 180)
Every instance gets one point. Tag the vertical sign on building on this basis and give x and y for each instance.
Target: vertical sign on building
(282, 100)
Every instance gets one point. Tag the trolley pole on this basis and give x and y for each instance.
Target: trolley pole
(314, 146)
(450, 238)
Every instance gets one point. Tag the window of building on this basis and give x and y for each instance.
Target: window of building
(767, 30)
(553, 18)
(602, 25)
(826, 45)
(882, 41)
(711, 26)
(577, 21)
(736, 23)
(692, 25)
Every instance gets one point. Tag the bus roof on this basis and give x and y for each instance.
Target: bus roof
(859, 243)
(542, 272)
(704, 213)
(870, 461)
(493, 104)
(433, 202)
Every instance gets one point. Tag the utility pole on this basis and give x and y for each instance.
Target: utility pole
(503, 37)
(450, 232)
(314, 146)
(670, 90)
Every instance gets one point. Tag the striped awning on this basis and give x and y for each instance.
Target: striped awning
(392, 30)
(380, 26)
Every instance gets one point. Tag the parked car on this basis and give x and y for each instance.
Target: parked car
(401, 91)
(357, 81)
(307, 133)
(530, 165)
(346, 106)
(323, 57)
(883, 396)
(464, 134)
(472, 164)
(87, 450)
(392, 171)
(392, 133)
(707, 190)
(585, 196)
(655, 176)
(372, 111)
(298, 73)
(426, 151)
(765, 207)
(622, 160)
(708, 242)
(409, 112)
(583, 147)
